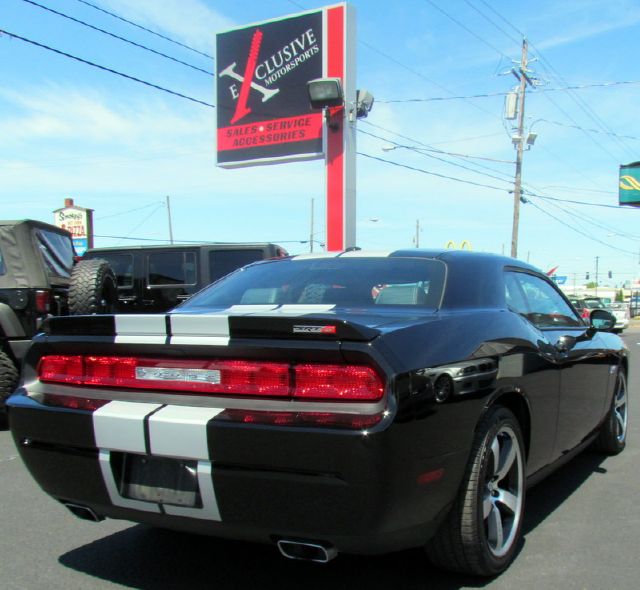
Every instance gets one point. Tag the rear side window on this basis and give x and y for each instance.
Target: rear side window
(538, 301)
(222, 262)
(57, 252)
(172, 268)
(122, 266)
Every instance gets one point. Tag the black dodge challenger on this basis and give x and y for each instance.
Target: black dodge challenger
(356, 402)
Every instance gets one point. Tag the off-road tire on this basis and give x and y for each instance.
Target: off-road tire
(8, 380)
(93, 288)
(612, 438)
(465, 542)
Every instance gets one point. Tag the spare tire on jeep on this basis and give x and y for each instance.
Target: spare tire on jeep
(92, 288)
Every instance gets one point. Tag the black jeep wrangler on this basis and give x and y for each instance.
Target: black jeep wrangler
(154, 279)
(39, 278)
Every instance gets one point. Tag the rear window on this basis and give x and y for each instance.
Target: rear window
(340, 281)
(222, 262)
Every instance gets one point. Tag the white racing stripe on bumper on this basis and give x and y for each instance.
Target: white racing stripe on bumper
(181, 432)
(119, 426)
(174, 431)
(140, 329)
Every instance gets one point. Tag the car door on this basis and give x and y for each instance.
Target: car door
(584, 367)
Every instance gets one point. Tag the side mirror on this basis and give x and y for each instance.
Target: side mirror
(601, 320)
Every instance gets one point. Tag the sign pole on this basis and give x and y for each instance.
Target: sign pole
(340, 132)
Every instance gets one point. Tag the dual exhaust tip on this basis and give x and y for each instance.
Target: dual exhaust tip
(307, 550)
(316, 552)
(83, 512)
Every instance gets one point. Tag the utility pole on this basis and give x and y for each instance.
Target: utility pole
(521, 74)
(597, 262)
(417, 233)
(169, 217)
(311, 232)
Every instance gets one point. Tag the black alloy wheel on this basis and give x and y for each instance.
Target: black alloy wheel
(613, 433)
(482, 532)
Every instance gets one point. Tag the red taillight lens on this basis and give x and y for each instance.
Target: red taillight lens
(350, 382)
(61, 369)
(215, 377)
(43, 301)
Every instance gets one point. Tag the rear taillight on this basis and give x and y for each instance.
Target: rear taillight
(43, 301)
(216, 377)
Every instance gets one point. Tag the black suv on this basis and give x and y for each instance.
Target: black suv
(39, 278)
(154, 279)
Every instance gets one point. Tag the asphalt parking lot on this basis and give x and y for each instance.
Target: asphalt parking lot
(581, 531)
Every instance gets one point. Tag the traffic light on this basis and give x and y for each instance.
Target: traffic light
(586, 278)
(610, 275)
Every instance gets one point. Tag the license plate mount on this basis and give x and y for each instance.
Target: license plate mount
(161, 480)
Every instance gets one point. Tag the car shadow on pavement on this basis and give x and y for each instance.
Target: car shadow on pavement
(148, 558)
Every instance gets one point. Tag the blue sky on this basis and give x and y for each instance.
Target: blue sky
(119, 147)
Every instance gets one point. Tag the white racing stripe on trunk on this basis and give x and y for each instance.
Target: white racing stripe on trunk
(299, 309)
(181, 432)
(119, 426)
(366, 254)
(313, 255)
(140, 329)
(243, 309)
(210, 329)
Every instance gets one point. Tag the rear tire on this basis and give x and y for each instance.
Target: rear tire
(93, 288)
(481, 534)
(9, 375)
(613, 433)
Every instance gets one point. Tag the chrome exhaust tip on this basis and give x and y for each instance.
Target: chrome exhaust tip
(83, 512)
(307, 550)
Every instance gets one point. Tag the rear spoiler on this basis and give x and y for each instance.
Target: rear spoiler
(213, 328)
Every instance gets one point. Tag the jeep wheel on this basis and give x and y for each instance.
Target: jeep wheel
(93, 288)
(8, 381)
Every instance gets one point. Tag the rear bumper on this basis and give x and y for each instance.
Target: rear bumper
(362, 492)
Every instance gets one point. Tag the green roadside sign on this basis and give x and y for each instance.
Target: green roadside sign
(629, 184)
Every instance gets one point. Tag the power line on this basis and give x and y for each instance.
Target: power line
(468, 30)
(490, 20)
(114, 15)
(413, 168)
(589, 130)
(430, 146)
(538, 90)
(124, 39)
(106, 69)
(421, 151)
(584, 234)
(503, 19)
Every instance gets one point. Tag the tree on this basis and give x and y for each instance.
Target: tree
(620, 295)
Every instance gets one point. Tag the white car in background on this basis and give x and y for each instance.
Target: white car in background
(621, 311)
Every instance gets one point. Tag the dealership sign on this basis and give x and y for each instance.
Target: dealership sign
(263, 111)
(629, 184)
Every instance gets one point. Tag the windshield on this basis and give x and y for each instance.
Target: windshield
(341, 281)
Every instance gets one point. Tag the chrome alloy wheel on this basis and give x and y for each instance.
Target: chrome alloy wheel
(503, 493)
(620, 411)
